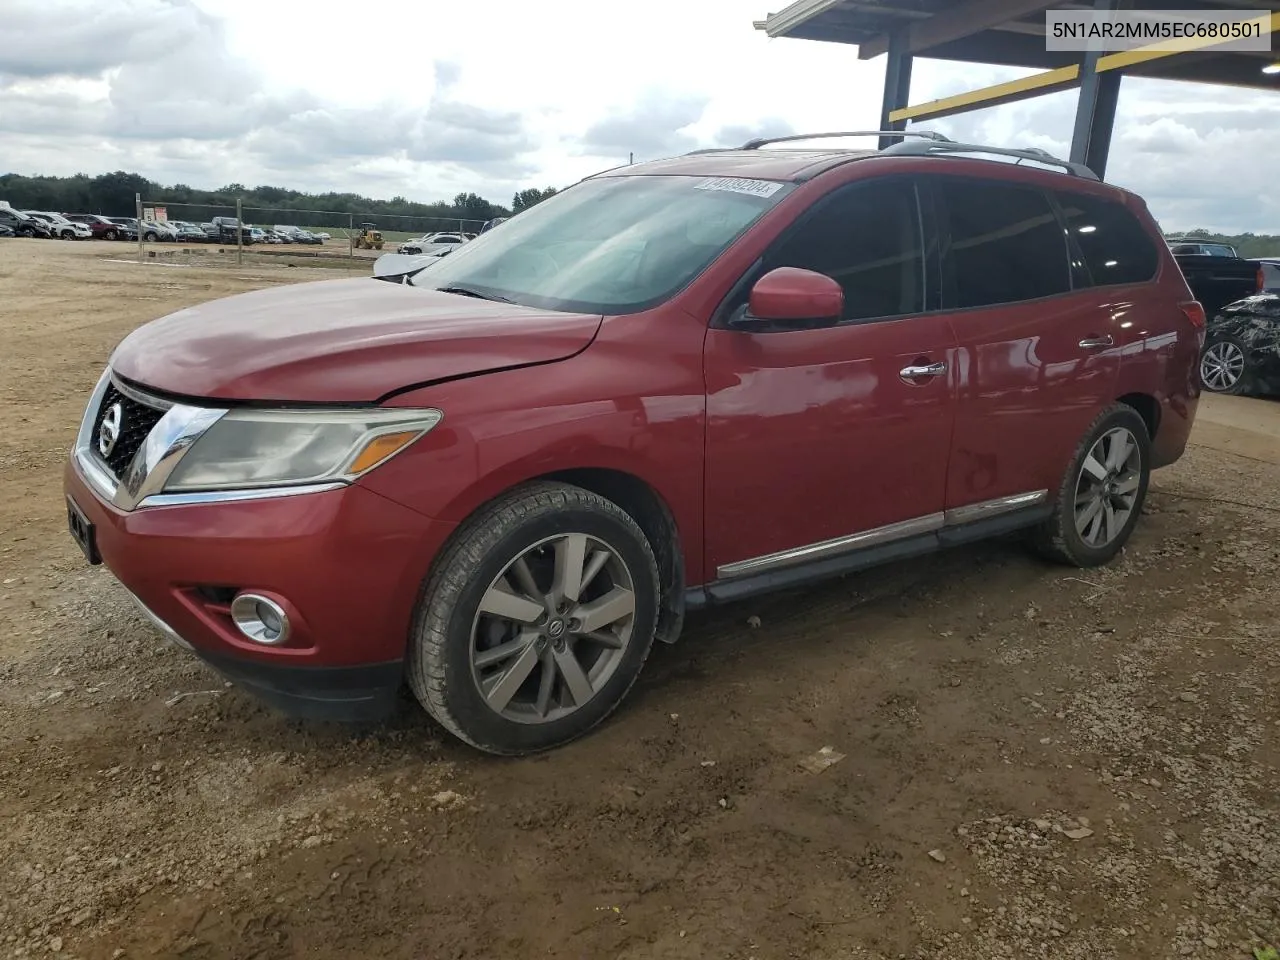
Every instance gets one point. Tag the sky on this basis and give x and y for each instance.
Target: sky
(428, 98)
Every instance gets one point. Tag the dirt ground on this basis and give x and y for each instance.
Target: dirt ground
(1036, 761)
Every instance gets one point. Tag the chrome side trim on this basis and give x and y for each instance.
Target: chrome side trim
(930, 523)
(167, 631)
(225, 496)
(831, 548)
(994, 508)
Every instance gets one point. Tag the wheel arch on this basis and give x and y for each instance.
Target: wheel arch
(1147, 407)
(642, 502)
(650, 511)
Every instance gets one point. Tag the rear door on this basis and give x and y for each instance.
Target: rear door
(1039, 346)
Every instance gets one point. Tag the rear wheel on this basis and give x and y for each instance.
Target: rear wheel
(1101, 496)
(536, 621)
(1224, 366)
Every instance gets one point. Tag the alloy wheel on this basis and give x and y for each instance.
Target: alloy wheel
(552, 628)
(1107, 488)
(1222, 366)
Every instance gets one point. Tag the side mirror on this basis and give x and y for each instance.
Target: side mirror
(793, 294)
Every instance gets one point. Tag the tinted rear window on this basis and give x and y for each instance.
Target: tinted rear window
(1115, 246)
(1006, 243)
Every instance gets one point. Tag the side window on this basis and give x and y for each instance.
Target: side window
(1115, 246)
(866, 237)
(1006, 243)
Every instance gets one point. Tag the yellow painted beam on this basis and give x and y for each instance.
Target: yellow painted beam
(1171, 48)
(1021, 89)
(1051, 81)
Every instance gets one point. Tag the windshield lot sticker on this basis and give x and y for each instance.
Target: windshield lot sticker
(752, 188)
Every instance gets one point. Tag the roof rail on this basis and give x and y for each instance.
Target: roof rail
(764, 141)
(922, 148)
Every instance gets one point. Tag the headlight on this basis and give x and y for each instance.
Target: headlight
(268, 448)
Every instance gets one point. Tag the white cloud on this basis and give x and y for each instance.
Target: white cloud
(425, 100)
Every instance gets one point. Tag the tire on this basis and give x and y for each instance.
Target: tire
(1065, 537)
(149, 236)
(451, 632)
(1224, 366)
(27, 232)
(67, 235)
(112, 234)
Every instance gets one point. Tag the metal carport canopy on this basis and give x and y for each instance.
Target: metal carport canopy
(1012, 33)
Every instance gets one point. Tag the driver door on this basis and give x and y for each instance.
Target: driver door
(822, 440)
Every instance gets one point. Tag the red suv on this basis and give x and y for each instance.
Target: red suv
(673, 384)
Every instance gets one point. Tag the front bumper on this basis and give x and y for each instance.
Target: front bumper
(347, 564)
(344, 694)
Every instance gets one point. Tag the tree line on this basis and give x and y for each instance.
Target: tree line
(1246, 244)
(112, 195)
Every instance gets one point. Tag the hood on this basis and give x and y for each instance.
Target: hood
(340, 341)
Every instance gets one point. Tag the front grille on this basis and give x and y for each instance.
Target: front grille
(136, 421)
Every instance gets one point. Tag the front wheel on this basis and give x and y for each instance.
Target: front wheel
(535, 624)
(1101, 496)
(111, 234)
(1224, 367)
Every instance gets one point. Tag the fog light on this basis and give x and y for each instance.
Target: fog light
(260, 619)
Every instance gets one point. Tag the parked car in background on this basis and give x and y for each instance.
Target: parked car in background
(298, 235)
(431, 243)
(324, 236)
(1242, 347)
(186, 232)
(225, 230)
(24, 225)
(493, 223)
(103, 229)
(1270, 273)
(1215, 272)
(670, 385)
(61, 227)
(151, 230)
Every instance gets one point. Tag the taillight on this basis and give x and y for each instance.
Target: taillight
(1261, 281)
(1194, 312)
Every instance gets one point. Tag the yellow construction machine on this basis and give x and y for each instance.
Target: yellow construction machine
(369, 238)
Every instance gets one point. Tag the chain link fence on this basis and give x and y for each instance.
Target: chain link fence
(279, 229)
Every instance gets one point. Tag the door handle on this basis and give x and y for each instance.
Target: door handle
(920, 371)
(1096, 343)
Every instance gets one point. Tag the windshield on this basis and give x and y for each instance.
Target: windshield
(611, 245)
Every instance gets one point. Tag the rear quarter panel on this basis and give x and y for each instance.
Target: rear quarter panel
(1162, 348)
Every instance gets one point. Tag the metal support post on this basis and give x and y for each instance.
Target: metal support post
(1096, 106)
(137, 202)
(897, 84)
(239, 231)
